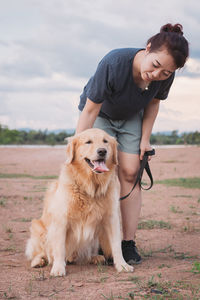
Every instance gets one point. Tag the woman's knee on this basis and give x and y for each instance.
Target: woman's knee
(128, 174)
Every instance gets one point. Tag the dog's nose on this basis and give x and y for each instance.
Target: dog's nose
(101, 152)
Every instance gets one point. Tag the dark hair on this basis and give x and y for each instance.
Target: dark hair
(171, 37)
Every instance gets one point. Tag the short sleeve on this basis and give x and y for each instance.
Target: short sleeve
(165, 86)
(99, 87)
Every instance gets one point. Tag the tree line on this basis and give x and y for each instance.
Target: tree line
(173, 138)
(31, 137)
(39, 137)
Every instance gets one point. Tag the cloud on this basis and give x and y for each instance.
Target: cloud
(50, 48)
(55, 82)
(165, 123)
(193, 66)
(40, 110)
(181, 110)
(71, 36)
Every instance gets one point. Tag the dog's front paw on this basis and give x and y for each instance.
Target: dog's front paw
(97, 260)
(58, 269)
(39, 262)
(124, 268)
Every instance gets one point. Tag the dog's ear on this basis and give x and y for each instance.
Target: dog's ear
(115, 152)
(70, 150)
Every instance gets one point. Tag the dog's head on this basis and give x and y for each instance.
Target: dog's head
(93, 149)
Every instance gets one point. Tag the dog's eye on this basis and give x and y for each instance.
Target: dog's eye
(105, 141)
(89, 142)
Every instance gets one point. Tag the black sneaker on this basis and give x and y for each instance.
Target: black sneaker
(130, 252)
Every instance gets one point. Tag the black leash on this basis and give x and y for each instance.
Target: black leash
(143, 165)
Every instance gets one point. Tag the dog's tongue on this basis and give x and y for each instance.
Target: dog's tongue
(100, 166)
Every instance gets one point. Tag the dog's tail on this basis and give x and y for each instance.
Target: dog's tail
(35, 245)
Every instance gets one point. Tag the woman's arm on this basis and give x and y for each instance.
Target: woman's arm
(150, 114)
(88, 115)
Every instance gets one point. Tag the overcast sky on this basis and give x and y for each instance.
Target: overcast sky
(50, 48)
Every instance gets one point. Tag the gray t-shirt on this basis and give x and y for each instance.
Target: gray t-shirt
(113, 86)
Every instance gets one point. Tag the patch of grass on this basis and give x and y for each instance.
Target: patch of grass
(196, 268)
(71, 289)
(8, 249)
(175, 210)
(182, 196)
(134, 279)
(191, 183)
(38, 188)
(182, 255)
(188, 286)
(29, 287)
(10, 236)
(167, 249)
(3, 202)
(148, 253)
(152, 224)
(168, 290)
(101, 268)
(131, 296)
(157, 287)
(22, 220)
(194, 213)
(13, 175)
(164, 266)
(8, 230)
(170, 161)
(10, 294)
(40, 276)
(103, 279)
(28, 198)
(160, 289)
(111, 297)
(190, 227)
(192, 206)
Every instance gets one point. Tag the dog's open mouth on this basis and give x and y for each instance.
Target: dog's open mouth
(98, 166)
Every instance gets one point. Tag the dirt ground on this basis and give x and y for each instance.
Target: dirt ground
(169, 249)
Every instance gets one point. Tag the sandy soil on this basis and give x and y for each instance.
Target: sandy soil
(168, 253)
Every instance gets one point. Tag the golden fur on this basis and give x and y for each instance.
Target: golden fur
(81, 209)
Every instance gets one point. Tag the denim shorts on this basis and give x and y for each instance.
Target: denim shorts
(127, 132)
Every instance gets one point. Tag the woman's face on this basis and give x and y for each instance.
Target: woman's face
(156, 65)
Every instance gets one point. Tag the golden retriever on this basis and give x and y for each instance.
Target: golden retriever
(81, 209)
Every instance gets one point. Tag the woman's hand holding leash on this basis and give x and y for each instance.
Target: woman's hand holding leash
(143, 166)
(145, 146)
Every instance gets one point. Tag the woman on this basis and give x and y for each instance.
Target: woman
(123, 99)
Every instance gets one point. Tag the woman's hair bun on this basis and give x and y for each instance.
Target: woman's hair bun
(177, 28)
(171, 38)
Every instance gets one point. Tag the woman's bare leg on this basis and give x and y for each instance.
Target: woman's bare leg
(131, 206)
